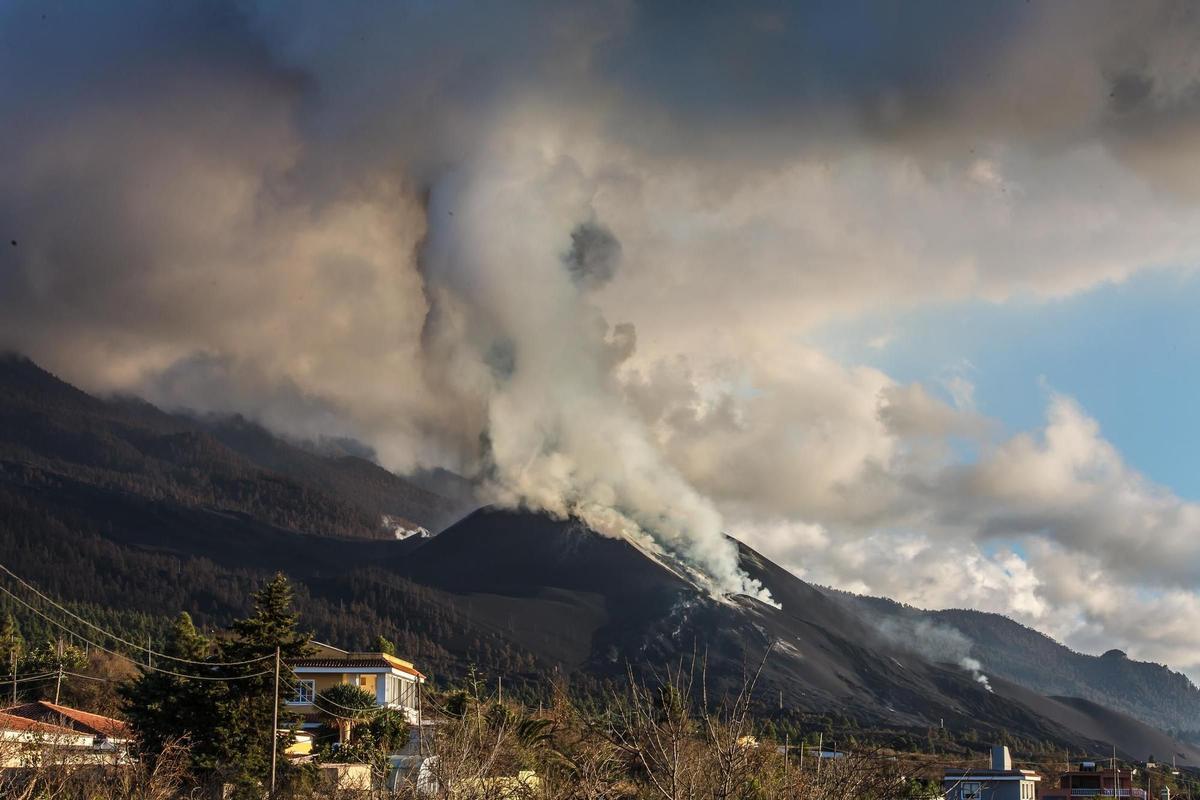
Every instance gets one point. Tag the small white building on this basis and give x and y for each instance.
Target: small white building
(106, 733)
(19, 730)
(41, 733)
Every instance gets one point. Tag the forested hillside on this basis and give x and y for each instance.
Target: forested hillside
(134, 514)
(141, 562)
(51, 435)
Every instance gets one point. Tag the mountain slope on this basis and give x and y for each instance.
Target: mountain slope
(351, 478)
(1149, 692)
(117, 506)
(50, 431)
(518, 573)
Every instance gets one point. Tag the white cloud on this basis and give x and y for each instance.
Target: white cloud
(354, 222)
(1051, 528)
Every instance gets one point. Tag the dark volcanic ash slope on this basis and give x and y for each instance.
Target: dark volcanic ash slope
(529, 576)
(1131, 737)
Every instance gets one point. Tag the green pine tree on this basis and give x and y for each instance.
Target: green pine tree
(245, 708)
(12, 646)
(165, 708)
(274, 623)
(51, 656)
(384, 645)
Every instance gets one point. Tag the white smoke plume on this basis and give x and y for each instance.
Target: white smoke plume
(512, 255)
(935, 642)
(393, 244)
(973, 666)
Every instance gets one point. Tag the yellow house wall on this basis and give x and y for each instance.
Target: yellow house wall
(323, 681)
(346, 777)
(327, 680)
(300, 747)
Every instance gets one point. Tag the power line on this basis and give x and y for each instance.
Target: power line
(68, 630)
(114, 637)
(146, 667)
(145, 649)
(319, 701)
(43, 676)
(87, 677)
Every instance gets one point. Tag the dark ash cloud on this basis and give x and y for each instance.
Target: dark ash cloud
(594, 256)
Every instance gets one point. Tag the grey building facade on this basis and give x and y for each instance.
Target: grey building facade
(1000, 782)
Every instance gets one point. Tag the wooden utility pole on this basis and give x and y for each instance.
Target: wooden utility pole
(820, 752)
(58, 684)
(787, 740)
(1116, 775)
(13, 654)
(275, 721)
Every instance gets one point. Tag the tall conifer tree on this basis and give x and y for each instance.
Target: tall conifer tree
(246, 707)
(166, 708)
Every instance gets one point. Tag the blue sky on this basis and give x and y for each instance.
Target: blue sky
(1126, 352)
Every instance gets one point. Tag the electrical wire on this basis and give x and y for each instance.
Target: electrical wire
(65, 628)
(148, 667)
(85, 677)
(43, 676)
(116, 638)
(319, 701)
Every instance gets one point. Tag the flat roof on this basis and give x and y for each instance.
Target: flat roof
(992, 774)
(377, 662)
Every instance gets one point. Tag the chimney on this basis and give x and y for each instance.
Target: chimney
(1001, 760)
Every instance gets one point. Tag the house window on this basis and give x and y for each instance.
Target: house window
(306, 691)
(970, 790)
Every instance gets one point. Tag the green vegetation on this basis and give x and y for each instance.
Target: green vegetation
(164, 708)
(226, 724)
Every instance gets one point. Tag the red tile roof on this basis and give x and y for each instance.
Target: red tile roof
(72, 718)
(11, 722)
